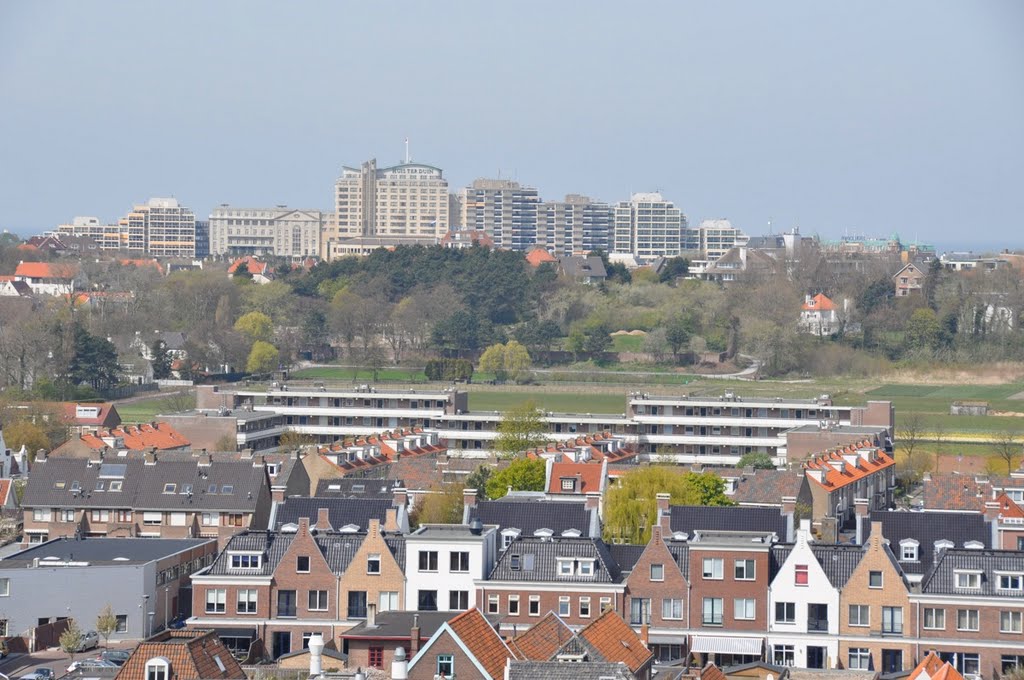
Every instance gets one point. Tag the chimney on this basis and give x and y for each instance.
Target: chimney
(656, 534)
(399, 666)
(391, 521)
(371, 615)
(316, 650)
(860, 508)
(323, 519)
(664, 514)
(150, 457)
(468, 503)
(205, 459)
(414, 635)
(789, 512)
(992, 518)
(303, 526)
(875, 538)
(41, 455)
(401, 497)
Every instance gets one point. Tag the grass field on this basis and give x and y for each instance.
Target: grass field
(143, 410)
(627, 343)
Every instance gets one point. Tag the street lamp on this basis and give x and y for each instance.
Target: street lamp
(167, 590)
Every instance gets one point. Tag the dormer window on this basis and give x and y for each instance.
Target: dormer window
(569, 566)
(246, 560)
(1011, 581)
(514, 563)
(158, 668)
(909, 550)
(568, 483)
(968, 580)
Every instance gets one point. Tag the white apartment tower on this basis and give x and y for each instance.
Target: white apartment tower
(160, 227)
(717, 237)
(576, 225)
(281, 231)
(105, 236)
(409, 199)
(648, 226)
(502, 208)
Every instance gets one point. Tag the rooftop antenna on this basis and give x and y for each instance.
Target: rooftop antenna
(407, 151)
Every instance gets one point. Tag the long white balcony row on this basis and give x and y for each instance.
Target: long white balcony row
(727, 421)
(350, 411)
(680, 439)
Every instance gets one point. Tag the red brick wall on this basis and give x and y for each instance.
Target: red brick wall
(425, 669)
(729, 588)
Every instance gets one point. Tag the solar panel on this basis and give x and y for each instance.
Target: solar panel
(112, 470)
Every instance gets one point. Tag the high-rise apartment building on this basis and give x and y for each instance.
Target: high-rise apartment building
(717, 237)
(278, 231)
(106, 236)
(202, 239)
(502, 208)
(405, 200)
(648, 226)
(160, 227)
(576, 225)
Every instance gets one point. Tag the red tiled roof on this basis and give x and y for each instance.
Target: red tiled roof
(6, 277)
(616, 641)
(839, 473)
(143, 263)
(543, 640)
(933, 667)
(158, 435)
(251, 263)
(819, 303)
(482, 641)
(192, 655)
(5, 490)
(712, 672)
(588, 474)
(45, 270)
(539, 256)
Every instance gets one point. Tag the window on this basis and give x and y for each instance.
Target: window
(376, 657)
(564, 607)
(534, 605)
(5, 587)
(124, 515)
(1011, 661)
(968, 664)
(493, 604)
(744, 570)
(426, 600)
(100, 515)
(446, 665)
(783, 655)
(934, 618)
(514, 562)
(215, 600)
(513, 605)
(967, 619)
(245, 561)
(672, 608)
(908, 550)
(246, 601)
(286, 603)
(743, 608)
(318, 600)
(585, 607)
(211, 519)
(586, 568)
(41, 515)
(860, 615)
(800, 575)
(859, 659)
(969, 580)
(1010, 622)
(157, 669)
(1011, 582)
(116, 485)
(458, 600)
(458, 562)
(428, 560)
(565, 568)
(121, 623)
(892, 620)
(639, 610)
(302, 564)
(606, 604)
(712, 611)
(657, 572)
(874, 579)
(388, 601)
(170, 488)
(712, 568)
(373, 564)
(785, 612)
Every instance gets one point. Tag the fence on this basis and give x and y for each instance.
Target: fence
(125, 391)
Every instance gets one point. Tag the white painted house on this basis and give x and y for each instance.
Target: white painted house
(442, 561)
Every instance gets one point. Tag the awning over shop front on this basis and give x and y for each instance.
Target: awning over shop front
(718, 644)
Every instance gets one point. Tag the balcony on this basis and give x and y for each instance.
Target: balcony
(817, 626)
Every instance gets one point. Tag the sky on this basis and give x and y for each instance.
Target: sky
(835, 117)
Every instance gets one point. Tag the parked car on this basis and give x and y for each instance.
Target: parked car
(90, 640)
(38, 674)
(90, 663)
(115, 656)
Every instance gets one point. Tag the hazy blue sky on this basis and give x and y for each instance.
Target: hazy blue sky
(852, 117)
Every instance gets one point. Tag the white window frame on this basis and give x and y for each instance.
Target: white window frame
(967, 580)
(748, 611)
(564, 606)
(246, 599)
(711, 568)
(751, 576)
(1016, 620)
(217, 598)
(387, 601)
(584, 608)
(658, 569)
(158, 668)
(938, 616)
(860, 609)
(494, 604)
(967, 614)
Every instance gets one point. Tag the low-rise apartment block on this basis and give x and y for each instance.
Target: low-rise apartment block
(281, 231)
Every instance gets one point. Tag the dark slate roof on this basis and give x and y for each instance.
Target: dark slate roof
(559, 670)
(341, 511)
(528, 516)
(353, 487)
(942, 580)
(95, 550)
(52, 484)
(337, 549)
(545, 563)
(398, 624)
(626, 555)
(927, 528)
(837, 560)
(768, 487)
(691, 518)
(681, 553)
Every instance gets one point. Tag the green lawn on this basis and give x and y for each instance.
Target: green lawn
(627, 343)
(143, 411)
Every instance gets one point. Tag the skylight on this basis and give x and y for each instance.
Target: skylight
(227, 488)
(112, 470)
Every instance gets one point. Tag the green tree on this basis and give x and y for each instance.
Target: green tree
(255, 326)
(1007, 448)
(758, 461)
(631, 508)
(508, 361)
(923, 329)
(26, 433)
(522, 427)
(290, 439)
(161, 360)
(522, 474)
(493, 361)
(678, 332)
(443, 505)
(877, 294)
(478, 479)
(242, 274)
(93, 361)
(106, 624)
(262, 358)
(674, 268)
(70, 639)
